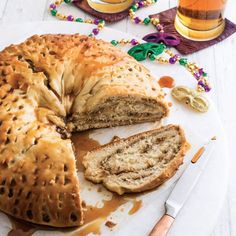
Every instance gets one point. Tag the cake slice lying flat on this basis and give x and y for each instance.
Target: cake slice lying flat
(138, 163)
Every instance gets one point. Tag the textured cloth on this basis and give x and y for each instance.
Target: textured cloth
(187, 46)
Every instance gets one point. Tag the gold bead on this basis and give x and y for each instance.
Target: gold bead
(193, 65)
(160, 60)
(157, 20)
(145, 3)
(200, 89)
(189, 69)
(131, 14)
(154, 21)
(169, 52)
(88, 21)
(60, 16)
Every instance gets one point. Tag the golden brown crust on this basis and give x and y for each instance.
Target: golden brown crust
(38, 181)
(43, 81)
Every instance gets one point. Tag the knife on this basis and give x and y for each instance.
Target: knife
(183, 188)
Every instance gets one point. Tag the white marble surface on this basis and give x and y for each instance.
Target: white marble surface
(219, 61)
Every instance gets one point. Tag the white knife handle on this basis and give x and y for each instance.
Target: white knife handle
(162, 226)
(172, 208)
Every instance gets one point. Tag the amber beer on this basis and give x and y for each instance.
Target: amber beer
(110, 6)
(200, 19)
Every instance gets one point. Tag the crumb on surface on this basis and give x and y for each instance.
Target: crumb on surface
(110, 224)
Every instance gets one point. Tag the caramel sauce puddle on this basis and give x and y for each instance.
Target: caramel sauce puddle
(94, 217)
(137, 204)
(83, 144)
(166, 82)
(21, 228)
(94, 228)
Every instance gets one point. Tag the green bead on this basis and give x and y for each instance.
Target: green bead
(146, 21)
(155, 0)
(53, 12)
(79, 20)
(152, 57)
(134, 8)
(204, 74)
(90, 35)
(183, 61)
(102, 22)
(114, 42)
(67, 1)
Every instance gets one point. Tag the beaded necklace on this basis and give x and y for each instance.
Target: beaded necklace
(142, 51)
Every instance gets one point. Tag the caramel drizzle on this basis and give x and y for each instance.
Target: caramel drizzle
(94, 217)
(166, 82)
(21, 228)
(83, 144)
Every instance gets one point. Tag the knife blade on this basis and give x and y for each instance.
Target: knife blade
(183, 188)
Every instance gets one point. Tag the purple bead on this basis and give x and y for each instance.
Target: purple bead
(70, 18)
(53, 6)
(159, 27)
(141, 4)
(197, 75)
(201, 83)
(134, 42)
(207, 88)
(137, 20)
(95, 31)
(172, 60)
(200, 71)
(96, 21)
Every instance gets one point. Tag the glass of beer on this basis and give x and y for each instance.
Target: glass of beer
(110, 6)
(200, 20)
